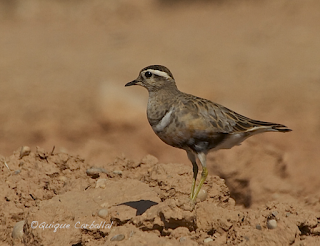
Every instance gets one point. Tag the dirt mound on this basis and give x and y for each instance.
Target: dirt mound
(58, 199)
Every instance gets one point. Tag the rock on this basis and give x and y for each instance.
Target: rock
(202, 196)
(182, 239)
(17, 172)
(25, 151)
(103, 213)
(207, 240)
(93, 172)
(118, 172)
(17, 232)
(118, 237)
(272, 224)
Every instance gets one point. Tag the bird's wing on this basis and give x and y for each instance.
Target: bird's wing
(202, 115)
(216, 118)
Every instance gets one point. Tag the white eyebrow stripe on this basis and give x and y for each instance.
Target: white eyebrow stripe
(159, 73)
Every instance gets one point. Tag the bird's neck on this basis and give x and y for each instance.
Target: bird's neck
(161, 101)
(166, 91)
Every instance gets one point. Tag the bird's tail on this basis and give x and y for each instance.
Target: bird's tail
(280, 128)
(262, 126)
(245, 124)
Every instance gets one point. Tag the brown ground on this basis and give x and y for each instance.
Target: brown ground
(62, 73)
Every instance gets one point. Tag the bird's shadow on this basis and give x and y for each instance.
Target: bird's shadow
(141, 206)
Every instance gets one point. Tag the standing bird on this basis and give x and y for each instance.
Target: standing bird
(192, 123)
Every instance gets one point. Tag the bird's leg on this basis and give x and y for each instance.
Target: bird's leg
(192, 158)
(204, 174)
(195, 174)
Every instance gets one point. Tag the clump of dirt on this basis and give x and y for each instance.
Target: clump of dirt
(256, 174)
(58, 199)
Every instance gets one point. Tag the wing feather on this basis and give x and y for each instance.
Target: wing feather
(215, 118)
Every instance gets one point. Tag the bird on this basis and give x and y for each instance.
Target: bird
(192, 123)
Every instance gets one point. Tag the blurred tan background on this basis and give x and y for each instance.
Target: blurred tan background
(64, 65)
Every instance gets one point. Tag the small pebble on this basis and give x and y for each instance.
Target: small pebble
(25, 150)
(182, 239)
(118, 237)
(118, 172)
(17, 232)
(275, 213)
(103, 213)
(207, 240)
(202, 195)
(258, 226)
(93, 172)
(272, 224)
(17, 172)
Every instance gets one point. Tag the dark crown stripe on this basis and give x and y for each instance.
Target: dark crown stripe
(159, 68)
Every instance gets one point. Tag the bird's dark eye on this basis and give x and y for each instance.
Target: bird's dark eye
(148, 74)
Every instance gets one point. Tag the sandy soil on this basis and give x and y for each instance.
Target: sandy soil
(101, 174)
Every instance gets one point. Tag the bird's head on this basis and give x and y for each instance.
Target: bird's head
(154, 78)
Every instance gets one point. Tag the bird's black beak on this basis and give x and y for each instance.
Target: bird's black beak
(134, 82)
